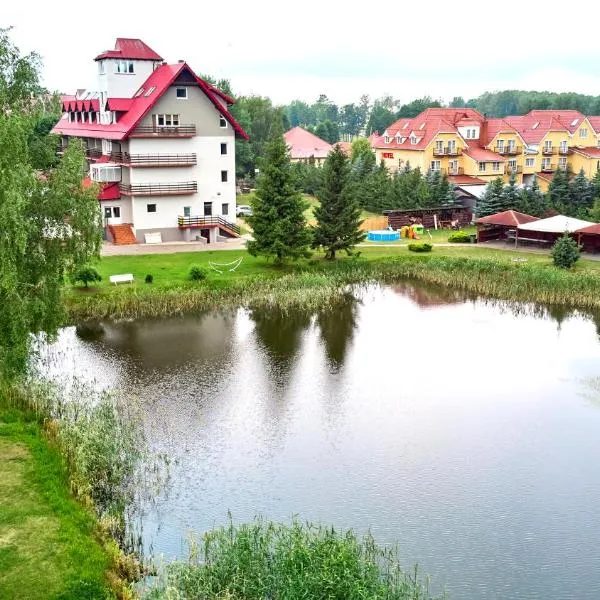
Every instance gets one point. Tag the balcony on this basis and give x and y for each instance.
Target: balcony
(150, 131)
(154, 160)
(447, 151)
(105, 173)
(159, 189)
(456, 171)
(549, 150)
(93, 153)
(548, 168)
(516, 170)
(508, 150)
(197, 221)
(564, 150)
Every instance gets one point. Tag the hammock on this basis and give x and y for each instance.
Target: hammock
(232, 266)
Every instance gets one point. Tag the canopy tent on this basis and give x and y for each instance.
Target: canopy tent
(558, 224)
(498, 226)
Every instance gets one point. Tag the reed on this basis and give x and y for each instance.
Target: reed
(263, 559)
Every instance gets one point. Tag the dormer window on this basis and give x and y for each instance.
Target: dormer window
(124, 66)
(468, 133)
(398, 139)
(413, 139)
(386, 139)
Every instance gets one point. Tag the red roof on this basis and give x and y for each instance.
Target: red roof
(130, 48)
(483, 155)
(159, 81)
(119, 104)
(507, 218)
(466, 180)
(304, 144)
(70, 103)
(346, 147)
(109, 191)
(591, 152)
(570, 119)
(535, 125)
(595, 123)
(591, 229)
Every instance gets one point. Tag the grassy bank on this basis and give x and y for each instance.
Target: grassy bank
(486, 272)
(48, 543)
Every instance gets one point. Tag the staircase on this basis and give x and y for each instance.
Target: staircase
(122, 234)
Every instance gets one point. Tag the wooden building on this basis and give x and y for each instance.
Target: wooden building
(431, 218)
(589, 238)
(500, 225)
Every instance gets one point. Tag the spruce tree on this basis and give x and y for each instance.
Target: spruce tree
(492, 200)
(581, 194)
(532, 201)
(278, 223)
(510, 194)
(338, 215)
(558, 192)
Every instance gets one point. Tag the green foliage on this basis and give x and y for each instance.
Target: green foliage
(510, 194)
(594, 212)
(382, 115)
(149, 278)
(459, 237)
(412, 109)
(86, 274)
(197, 273)
(361, 150)
(328, 131)
(493, 199)
(420, 247)
(338, 214)
(559, 193)
(308, 176)
(581, 194)
(565, 252)
(532, 201)
(278, 222)
(269, 560)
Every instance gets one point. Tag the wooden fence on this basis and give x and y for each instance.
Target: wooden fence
(374, 223)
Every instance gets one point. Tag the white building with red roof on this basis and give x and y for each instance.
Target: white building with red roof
(160, 142)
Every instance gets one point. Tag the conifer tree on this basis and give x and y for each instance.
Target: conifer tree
(338, 215)
(278, 223)
(558, 192)
(492, 200)
(532, 201)
(581, 194)
(510, 194)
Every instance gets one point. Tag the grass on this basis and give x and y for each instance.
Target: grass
(48, 545)
(269, 560)
(432, 236)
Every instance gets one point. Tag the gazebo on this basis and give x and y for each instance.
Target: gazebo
(546, 231)
(498, 226)
(589, 237)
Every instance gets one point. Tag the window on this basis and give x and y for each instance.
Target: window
(435, 165)
(187, 211)
(500, 145)
(151, 208)
(124, 66)
(562, 163)
(149, 91)
(222, 121)
(106, 146)
(574, 122)
(398, 139)
(473, 133)
(223, 148)
(181, 93)
(495, 166)
(512, 165)
(545, 163)
(548, 145)
(167, 120)
(439, 146)
(224, 209)
(563, 146)
(224, 176)
(482, 167)
(101, 67)
(413, 139)
(530, 162)
(112, 212)
(386, 139)
(207, 209)
(139, 92)
(583, 133)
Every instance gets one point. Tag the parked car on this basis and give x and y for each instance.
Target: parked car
(243, 210)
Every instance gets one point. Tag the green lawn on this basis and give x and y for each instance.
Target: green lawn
(47, 540)
(439, 236)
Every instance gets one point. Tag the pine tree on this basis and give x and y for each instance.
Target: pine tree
(278, 222)
(510, 194)
(581, 194)
(532, 201)
(492, 200)
(338, 216)
(558, 191)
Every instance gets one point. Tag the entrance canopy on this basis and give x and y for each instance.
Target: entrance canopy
(558, 224)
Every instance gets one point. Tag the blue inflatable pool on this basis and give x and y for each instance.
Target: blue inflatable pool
(383, 235)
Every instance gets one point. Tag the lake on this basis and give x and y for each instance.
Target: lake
(466, 431)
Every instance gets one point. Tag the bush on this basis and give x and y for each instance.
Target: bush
(565, 252)
(197, 273)
(86, 275)
(149, 278)
(420, 247)
(459, 237)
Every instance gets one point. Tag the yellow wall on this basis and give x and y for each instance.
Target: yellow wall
(588, 141)
(414, 157)
(589, 165)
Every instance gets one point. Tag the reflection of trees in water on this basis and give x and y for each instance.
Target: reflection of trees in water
(90, 332)
(429, 295)
(337, 324)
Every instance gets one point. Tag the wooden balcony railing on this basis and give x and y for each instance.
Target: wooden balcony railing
(154, 160)
(509, 150)
(159, 189)
(548, 168)
(447, 151)
(164, 132)
(516, 170)
(564, 150)
(207, 221)
(548, 150)
(93, 153)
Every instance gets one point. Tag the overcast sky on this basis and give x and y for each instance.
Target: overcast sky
(289, 50)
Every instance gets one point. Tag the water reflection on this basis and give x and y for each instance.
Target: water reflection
(453, 425)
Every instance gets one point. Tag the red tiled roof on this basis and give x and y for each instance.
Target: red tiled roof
(595, 123)
(496, 126)
(160, 79)
(534, 128)
(566, 118)
(482, 155)
(507, 218)
(130, 48)
(589, 152)
(304, 144)
(119, 104)
(466, 180)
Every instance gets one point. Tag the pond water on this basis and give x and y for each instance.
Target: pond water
(468, 432)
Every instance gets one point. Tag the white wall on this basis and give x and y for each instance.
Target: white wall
(168, 208)
(123, 85)
(125, 203)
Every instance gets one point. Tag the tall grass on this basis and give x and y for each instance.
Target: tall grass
(317, 283)
(265, 560)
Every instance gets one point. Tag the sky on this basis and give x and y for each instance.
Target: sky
(299, 50)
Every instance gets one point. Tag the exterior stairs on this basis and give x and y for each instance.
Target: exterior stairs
(122, 234)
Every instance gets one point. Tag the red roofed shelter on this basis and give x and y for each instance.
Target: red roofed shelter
(589, 238)
(497, 227)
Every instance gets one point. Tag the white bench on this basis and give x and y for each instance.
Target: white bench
(126, 278)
